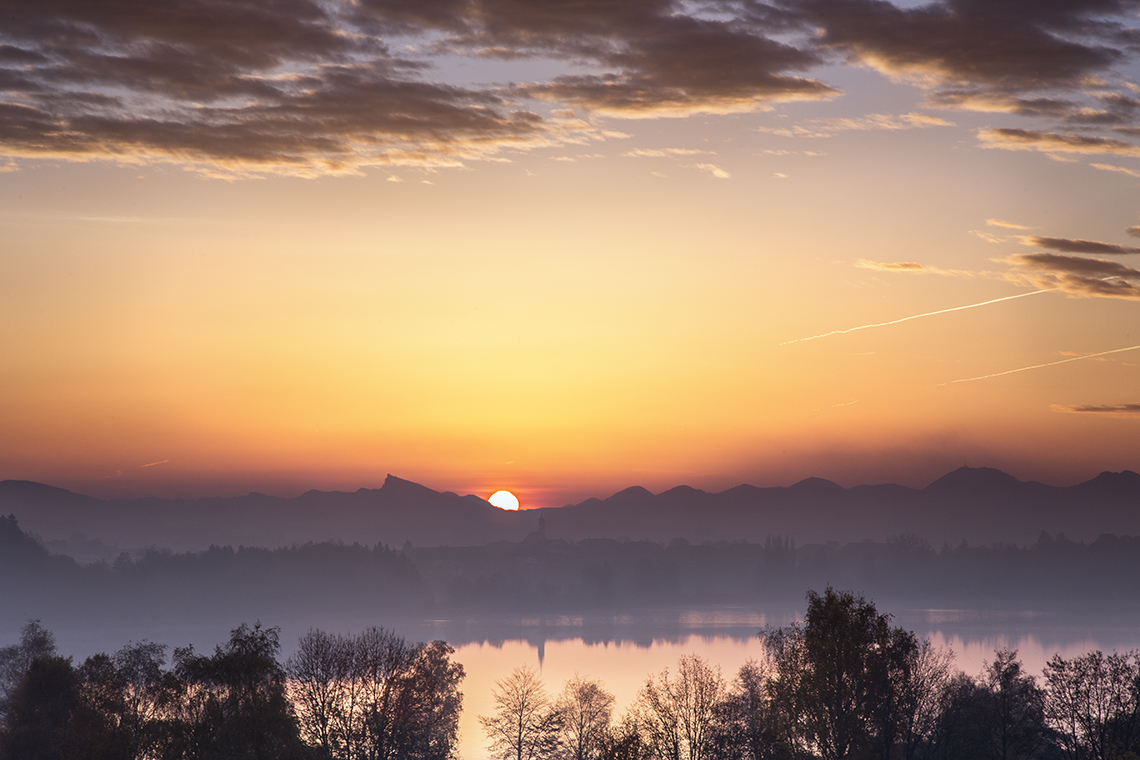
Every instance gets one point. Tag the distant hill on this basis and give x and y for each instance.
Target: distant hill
(978, 505)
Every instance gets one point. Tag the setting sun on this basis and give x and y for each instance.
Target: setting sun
(504, 500)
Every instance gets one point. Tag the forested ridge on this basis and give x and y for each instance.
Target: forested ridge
(844, 683)
(556, 575)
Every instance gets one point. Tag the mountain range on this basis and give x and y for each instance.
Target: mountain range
(976, 505)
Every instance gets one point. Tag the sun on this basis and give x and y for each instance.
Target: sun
(504, 500)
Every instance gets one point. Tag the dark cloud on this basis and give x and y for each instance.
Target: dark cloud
(1053, 59)
(1066, 245)
(310, 86)
(683, 66)
(1009, 46)
(1094, 278)
(287, 85)
(305, 85)
(1116, 409)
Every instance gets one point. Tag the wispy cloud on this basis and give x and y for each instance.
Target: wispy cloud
(714, 170)
(1113, 168)
(910, 266)
(1116, 410)
(1053, 142)
(663, 152)
(1006, 225)
(875, 121)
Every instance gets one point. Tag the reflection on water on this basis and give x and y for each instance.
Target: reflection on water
(622, 649)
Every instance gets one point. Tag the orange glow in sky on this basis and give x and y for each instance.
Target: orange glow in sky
(278, 287)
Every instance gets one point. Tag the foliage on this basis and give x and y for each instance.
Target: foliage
(35, 642)
(232, 705)
(842, 678)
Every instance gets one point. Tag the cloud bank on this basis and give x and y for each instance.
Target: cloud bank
(318, 86)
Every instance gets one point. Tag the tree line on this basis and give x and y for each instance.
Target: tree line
(321, 579)
(373, 696)
(844, 684)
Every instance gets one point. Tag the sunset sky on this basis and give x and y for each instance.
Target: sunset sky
(567, 246)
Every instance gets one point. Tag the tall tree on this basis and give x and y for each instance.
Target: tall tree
(746, 726)
(233, 705)
(587, 709)
(1014, 718)
(526, 724)
(376, 696)
(35, 642)
(1093, 703)
(40, 712)
(840, 678)
(678, 712)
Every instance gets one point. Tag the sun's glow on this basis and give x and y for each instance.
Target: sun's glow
(504, 500)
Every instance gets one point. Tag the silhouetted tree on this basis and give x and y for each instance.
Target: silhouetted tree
(677, 713)
(1093, 703)
(745, 724)
(586, 709)
(35, 642)
(841, 678)
(624, 741)
(52, 718)
(424, 723)
(526, 725)
(232, 706)
(376, 696)
(921, 698)
(1015, 719)
(962, 717)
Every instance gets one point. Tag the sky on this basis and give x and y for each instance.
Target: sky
(568, 246)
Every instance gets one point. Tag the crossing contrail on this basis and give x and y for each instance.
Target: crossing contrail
(1046, 364)
(918, 316)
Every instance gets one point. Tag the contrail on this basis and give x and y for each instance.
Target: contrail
(1046, 364)
(152, 464)
(919, 316)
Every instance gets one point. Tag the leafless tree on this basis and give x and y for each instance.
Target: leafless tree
(526, 724)
(1093, 703)
(586, 709)
(375, 696)
(921, 695)
(677, 712)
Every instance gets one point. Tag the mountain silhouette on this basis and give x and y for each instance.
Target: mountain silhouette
(976, 504)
